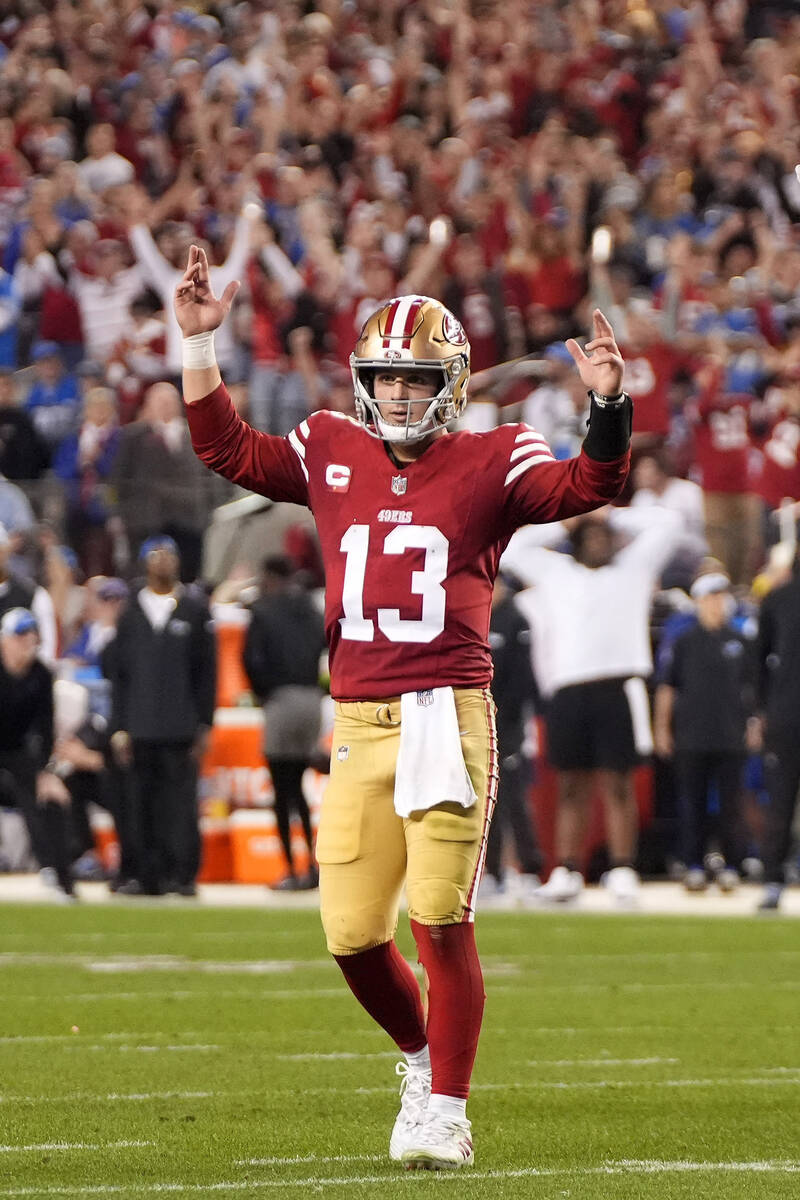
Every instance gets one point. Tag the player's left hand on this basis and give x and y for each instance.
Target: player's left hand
(602, 368)
(196, 307)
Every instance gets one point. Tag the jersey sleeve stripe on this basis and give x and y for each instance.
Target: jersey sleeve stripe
(304, 428)
(540, 447)
(299, 449)
(526, 465)
(529, 435)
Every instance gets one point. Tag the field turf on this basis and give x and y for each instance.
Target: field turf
(148, 1051)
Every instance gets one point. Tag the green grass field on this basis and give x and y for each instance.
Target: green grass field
(148, 1051)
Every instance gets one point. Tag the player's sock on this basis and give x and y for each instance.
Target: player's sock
(421, 1059)
(455, 1002)
(384, 984)
(447, 1106)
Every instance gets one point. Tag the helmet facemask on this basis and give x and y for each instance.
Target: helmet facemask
(441, 408)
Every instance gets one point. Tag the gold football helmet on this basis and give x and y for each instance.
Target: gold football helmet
(411, 331)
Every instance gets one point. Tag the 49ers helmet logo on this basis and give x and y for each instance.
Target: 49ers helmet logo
(453, 330)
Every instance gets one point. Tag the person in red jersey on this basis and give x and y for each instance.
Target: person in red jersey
(412, 520)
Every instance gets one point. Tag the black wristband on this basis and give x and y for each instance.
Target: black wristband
(609, 433)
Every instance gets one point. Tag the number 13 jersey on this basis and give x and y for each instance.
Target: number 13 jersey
(411, 552)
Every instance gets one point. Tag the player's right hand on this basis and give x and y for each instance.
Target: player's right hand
(196, 307)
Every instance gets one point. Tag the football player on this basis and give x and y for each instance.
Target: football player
(412, 520)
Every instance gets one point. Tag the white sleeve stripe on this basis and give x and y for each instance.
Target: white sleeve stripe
(529, 435)
(532, 448)
(299, 450)
(304, 429)
(297, 445)
(526, 465)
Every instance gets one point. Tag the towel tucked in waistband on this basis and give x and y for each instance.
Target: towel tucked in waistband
(430, 763)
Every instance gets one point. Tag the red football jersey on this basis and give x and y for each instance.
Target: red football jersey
(410, 553)
(723, 446)
(779, 477)
(648, 377)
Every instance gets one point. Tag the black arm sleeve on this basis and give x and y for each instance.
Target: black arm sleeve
(609, 434)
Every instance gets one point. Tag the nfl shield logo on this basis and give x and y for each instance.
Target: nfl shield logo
(399, 485)
(343, 753)
(424, 699)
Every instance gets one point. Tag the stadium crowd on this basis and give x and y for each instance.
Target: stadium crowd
(523, 162)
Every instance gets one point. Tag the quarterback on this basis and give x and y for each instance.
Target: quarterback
(412, 520)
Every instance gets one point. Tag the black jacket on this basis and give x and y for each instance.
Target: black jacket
(26, 704)
(513, 685)
(284, 642)
(779, 659)
(163, 682)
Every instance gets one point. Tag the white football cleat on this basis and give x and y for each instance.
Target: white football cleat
(562, 886)
(624, 885)
(415, 1091)
(440, 1144)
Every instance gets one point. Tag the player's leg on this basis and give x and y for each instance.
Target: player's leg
(362, 860)
(569, 752)
(282, 780)
(446, 853)
(621, 736)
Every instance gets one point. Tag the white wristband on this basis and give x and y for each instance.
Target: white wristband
(198, 351)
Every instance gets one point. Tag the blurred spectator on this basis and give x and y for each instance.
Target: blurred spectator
(589, 615)
(655, 485)
(28, 777)
(103, 168)
(559, 406)
(17, 592)
(515, 696)
(704, 700)
(84, 462)
(105, 602)
(53, 401)
(62, 575)
(161, 486)
(10, 308)
(105, 296)
(138, 358)
(779, 697)
(724, 445)
(162, 670)
(163, 273)
(23, 453)
(16, 514)
(284, 644)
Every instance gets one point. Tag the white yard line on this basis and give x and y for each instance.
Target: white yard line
(72, 1146)
(533, 1085)
(313, 1056)
(601, 1062)
(623, 1167)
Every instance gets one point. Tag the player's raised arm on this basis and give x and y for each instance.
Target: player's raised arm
(199, 313)
(601, 367)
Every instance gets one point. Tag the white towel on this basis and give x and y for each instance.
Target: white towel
(430, 762)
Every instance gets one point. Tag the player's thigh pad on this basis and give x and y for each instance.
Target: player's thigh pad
(360, 844)
(447, 844)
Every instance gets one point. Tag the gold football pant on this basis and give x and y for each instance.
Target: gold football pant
(366, 851)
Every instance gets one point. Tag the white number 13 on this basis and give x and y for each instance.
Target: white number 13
(426, 583)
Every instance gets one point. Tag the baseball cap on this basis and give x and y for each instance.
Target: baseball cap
(112, 589)
(45, 350)
(558, 352)
(159, 542)
(18, 621)
(707, 585)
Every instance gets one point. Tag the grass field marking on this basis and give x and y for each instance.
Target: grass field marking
(125, 1145)
(314, 1056)
(385, 1090)
(417, 1178)
(121, 964)
(601, 1062)
(308, 1158)
(193, 994)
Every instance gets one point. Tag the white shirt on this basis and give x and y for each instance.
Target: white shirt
(105, 308)
(158, 607)
(111, 170)
(164, 278)
(683, 497)
(591, 623)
